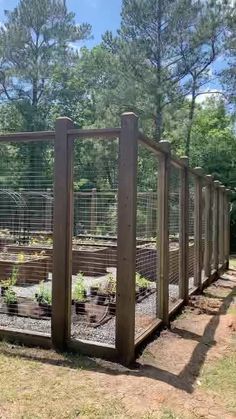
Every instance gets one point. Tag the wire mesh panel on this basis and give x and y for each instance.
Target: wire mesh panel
(191, 257)
(174, 236)
(146, 241)
(26, 207)
(94, 247)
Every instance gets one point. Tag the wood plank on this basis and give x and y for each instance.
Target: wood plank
(62, 235)
(216, 225)
(184, 232)
(28, 136)
(208, 227)
(93, 349)
(98, 133)
(126, 240)
(221, 224)
(26, 337)
(227, 226)
(198, 214)
(163, 233)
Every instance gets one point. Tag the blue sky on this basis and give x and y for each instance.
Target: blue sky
(101, 14)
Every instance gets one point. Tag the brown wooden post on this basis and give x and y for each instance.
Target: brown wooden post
(93, 219)
(62, 235)
(221, 224)
(216, 225)
(227, 227)
(126, 240)
(184, 232)
(163, 233)
(208, 227)
(198, 214)
(149, 215)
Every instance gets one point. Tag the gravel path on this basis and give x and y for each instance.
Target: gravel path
(81, 329)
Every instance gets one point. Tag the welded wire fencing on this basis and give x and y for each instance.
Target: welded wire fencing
(103, 235)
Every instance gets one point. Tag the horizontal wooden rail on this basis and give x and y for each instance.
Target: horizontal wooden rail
(157, 150)
(28, 136)
(103, 133)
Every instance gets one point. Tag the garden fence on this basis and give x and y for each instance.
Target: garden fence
(98, 269)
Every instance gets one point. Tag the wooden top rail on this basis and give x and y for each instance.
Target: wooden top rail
(157, 149)
(28, 136)
(103, 133)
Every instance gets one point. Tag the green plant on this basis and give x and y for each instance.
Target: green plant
(14, 275)
(6, 283)
(43, 296)
(111, 284)
(79, 293)
(141, 281)
(21, 257)
(10, 296)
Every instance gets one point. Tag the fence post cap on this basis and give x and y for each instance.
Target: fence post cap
(184, 160)
(217, 183)
(199, 170)
(165, 146)
(209, 178)
(129, 115)
(222, 187)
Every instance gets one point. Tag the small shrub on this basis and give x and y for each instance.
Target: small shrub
(111, 285)
(79, 293)
(10, 296)
(21, 257)
(141, 281)
(43, 296)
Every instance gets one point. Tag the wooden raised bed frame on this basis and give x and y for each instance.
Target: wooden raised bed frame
(30, 271)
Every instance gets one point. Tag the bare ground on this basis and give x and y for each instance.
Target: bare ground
(187, 372)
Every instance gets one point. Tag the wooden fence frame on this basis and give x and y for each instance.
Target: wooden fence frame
(216, 231)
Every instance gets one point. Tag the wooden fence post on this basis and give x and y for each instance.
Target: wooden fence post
(221, 224)
(126, 240)
(198, 214)
(208, 227)
(163, 233)
(93, 219)
(216, 225)
(62, 235)
(149, 215)
(227, 228)
(184, 232)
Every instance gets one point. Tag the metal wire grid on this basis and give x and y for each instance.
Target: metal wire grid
(146, 241)
(174, 235)
(191, 231)
(25, 235)
(94, 250)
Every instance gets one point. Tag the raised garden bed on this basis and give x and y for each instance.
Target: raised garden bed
(90, 260)
(28, 268)
(26, 307)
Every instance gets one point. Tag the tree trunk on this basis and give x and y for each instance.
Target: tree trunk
(159, 120)
(190, 120)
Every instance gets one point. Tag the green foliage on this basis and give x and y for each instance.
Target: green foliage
(79, 293)
(43, 295)
(10, 282)
(10, 296)
(141, 281)
(111, 284)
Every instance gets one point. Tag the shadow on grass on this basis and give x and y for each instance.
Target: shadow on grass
(184, 381)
